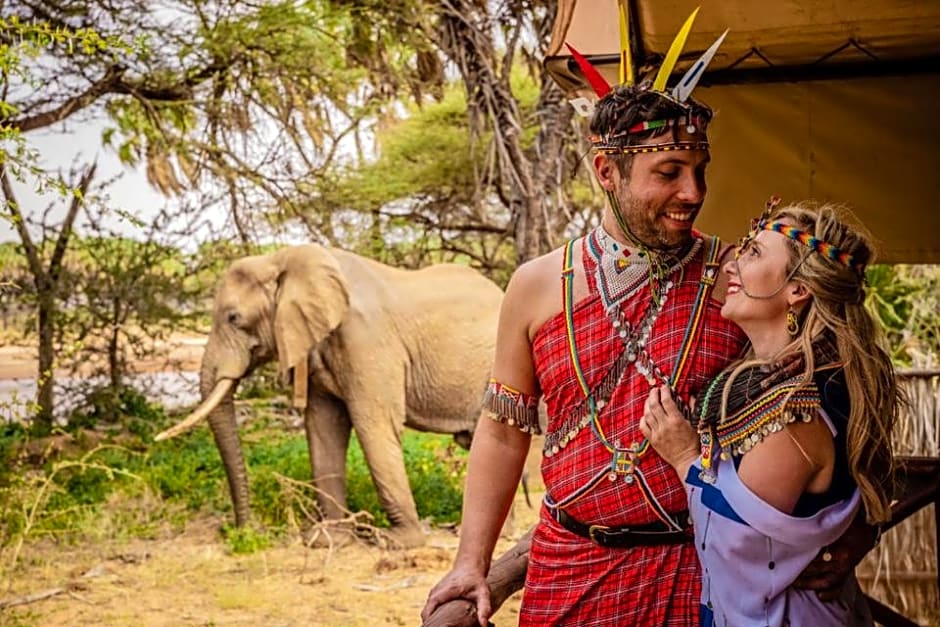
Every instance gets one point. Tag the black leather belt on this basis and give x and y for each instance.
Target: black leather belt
(624, 537)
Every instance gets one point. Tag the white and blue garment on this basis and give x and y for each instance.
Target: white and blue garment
(751, 553)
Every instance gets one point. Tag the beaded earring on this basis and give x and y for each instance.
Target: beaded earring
(793, 324)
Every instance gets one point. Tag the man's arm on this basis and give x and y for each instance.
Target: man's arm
(507, 576)
(828, 572)
(497, 455)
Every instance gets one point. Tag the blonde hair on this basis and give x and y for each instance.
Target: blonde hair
(837, 311)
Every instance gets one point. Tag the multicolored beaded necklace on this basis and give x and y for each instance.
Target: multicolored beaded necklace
(762, 401)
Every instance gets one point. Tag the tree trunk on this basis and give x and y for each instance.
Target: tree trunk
(114, 346)
(528, 183)
(45, 396)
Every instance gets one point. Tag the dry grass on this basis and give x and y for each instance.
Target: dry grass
(902, 570)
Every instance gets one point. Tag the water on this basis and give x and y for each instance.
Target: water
(173, 390)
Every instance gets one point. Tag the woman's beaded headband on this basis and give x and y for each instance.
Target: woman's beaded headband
(824, 248)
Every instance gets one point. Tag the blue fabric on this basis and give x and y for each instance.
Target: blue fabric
(712, 498)
(705, 616)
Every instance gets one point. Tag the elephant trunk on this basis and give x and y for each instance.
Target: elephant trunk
(225, 432)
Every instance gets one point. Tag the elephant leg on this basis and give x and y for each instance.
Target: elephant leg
(379, 427)
(327, 425)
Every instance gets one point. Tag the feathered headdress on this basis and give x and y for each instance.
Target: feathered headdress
(679, 94)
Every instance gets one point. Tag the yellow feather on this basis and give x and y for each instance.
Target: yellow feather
(675, 49)
(626, 61)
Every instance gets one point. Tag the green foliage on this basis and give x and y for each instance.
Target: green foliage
(245, 540)
(906, 299)
(69, 485)
(103, 403)
(188, 470)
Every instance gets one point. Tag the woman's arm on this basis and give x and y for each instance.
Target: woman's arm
(785, 464)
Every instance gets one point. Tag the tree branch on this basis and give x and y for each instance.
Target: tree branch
(19, 223)
(62, 241)
(114, 82)
(104, 85)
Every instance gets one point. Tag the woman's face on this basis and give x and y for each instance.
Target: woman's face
(757, 282)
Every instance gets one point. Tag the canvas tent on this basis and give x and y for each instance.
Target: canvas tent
(828, 99)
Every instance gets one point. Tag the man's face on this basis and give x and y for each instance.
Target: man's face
(663, 195)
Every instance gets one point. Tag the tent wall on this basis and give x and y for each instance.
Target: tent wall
(858, 126)
(871, 143)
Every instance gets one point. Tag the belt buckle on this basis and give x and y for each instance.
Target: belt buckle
(595, 528)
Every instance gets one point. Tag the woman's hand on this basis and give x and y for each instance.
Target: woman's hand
(668, 432)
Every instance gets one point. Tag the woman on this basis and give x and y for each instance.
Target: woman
(793, 439)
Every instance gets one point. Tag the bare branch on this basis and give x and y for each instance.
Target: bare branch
(62, 242)
(19, 223)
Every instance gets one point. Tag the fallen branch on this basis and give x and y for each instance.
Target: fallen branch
(506, 576)
(32, 598)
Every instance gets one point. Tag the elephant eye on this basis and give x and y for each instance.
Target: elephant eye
(233, 317)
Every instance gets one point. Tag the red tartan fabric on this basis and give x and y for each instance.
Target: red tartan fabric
(570, 580)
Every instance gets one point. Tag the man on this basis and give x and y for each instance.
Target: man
(638, 308)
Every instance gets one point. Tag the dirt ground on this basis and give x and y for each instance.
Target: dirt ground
(193, 579)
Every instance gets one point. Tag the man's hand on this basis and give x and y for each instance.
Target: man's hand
(461, 583)
(828, 572)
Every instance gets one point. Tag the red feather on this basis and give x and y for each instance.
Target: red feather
(600, 85)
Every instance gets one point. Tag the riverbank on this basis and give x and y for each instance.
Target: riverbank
(179, 352)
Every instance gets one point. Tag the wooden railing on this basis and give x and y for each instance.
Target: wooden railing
(919, 486)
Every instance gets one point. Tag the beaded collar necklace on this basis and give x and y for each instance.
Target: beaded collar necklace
(622, 270)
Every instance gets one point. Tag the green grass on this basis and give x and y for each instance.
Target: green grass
(123, 484)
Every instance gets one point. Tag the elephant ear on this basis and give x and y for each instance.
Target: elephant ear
(312, 300)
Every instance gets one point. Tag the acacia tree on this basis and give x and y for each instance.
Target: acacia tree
(460, 176)
(126, 294)
(195, 90)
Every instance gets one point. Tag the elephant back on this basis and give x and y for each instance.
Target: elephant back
(443, 319)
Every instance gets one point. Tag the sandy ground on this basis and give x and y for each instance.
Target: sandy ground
(192, 579)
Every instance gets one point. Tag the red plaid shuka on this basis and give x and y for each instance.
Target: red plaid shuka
(571, 580)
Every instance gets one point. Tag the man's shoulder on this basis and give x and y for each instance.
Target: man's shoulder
(535, 272)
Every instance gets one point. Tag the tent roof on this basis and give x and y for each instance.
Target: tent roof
(767, 40)
(825, 99)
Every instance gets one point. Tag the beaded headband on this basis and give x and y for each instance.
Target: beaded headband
(693, 124)
(678, 94)
(824, 248)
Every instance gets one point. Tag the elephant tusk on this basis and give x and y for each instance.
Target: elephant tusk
(218, 393)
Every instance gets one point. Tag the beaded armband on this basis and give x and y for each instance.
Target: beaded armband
(515, 408)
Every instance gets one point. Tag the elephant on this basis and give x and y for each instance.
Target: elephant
(368, 347)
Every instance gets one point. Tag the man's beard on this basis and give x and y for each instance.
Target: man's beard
(648, 235)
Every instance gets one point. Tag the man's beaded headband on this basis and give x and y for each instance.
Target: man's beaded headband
(644, 148)
(607, 144)
(824, 248)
